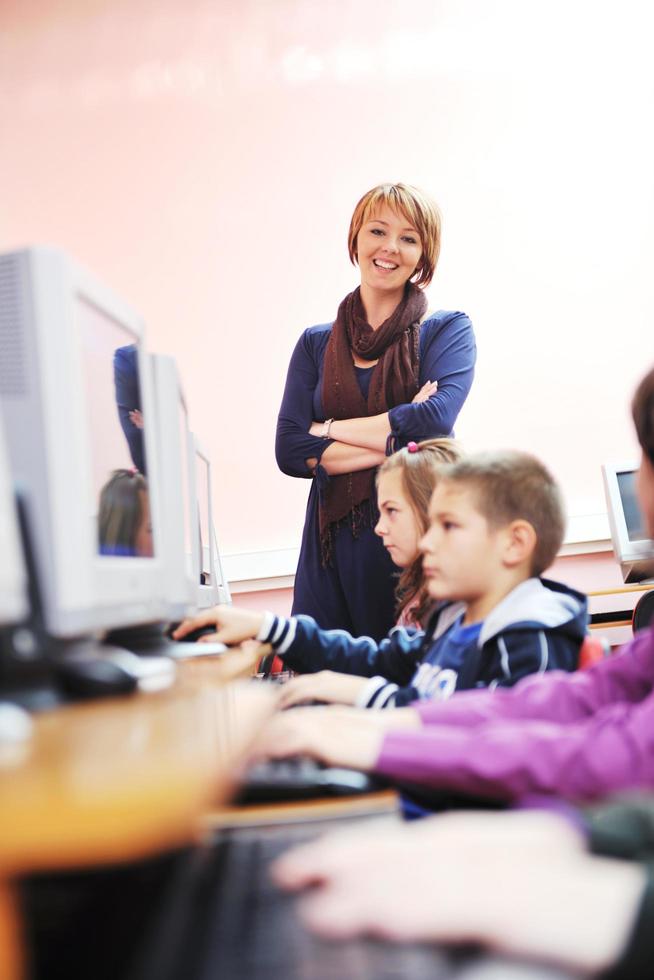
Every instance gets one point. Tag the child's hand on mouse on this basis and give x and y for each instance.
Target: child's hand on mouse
(232, 625)
(325, 685)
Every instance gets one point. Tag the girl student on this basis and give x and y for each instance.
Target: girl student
(405, 482)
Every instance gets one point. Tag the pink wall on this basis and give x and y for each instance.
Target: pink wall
(587, 573)
(203, 158)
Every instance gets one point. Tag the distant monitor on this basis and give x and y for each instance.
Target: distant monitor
(13, 581)
(212, 586)
(203, 553)
(631, 545)
(78, 409)
(174, 446)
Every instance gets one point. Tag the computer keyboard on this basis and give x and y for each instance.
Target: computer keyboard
(246, 929)
(301, 778)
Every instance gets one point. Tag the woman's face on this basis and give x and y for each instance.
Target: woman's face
(397, 525)
(645, 491)
(388, 250)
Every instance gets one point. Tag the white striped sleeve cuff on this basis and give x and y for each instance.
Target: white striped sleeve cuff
(377, 693)
(278, 631)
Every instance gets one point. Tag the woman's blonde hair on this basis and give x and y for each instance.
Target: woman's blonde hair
(419, 468)
(417, 207)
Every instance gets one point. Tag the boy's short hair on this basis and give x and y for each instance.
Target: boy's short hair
(417, 207)
(510, 486)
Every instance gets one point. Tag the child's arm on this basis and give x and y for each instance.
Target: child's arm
(627, 675)
(307, 648)
(606, 753)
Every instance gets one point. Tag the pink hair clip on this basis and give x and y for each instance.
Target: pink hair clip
(413, 447)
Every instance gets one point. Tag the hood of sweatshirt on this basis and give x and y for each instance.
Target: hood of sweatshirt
(537, 603)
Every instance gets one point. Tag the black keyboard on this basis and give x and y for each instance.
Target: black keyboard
(301, 778)
(246, 929)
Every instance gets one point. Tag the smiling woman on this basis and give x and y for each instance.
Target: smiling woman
(380, 376)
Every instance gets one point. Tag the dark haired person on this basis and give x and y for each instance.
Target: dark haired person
(381, 375)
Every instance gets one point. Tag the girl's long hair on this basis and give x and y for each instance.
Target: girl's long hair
(419, 471)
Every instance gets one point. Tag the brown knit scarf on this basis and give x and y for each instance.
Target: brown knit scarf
(394, 381)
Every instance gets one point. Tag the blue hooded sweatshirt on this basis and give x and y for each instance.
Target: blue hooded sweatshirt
(538, 626)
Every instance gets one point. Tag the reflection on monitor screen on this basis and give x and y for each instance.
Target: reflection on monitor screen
(112, 387)
(632, 513)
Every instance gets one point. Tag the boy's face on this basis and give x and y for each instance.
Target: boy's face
(462, 556)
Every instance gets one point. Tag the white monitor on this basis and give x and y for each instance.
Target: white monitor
(203, 553)
(78, 407)
(633, 549)
(212, 587)
(174, 442)
(13, 581)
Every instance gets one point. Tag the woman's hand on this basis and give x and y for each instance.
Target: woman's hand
(232, 625)
(325, 685)
(428, 389)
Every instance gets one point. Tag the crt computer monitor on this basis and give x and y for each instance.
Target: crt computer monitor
(212, 587)
(632, 547)
(78, 409)
(174, 447)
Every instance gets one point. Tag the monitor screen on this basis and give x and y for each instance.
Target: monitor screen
(631, 545)
(633, 517)
(119, 503)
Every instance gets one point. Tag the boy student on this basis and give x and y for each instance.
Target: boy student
(580, 736)
(496, 524)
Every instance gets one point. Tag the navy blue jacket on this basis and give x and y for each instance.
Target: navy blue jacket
(538, 626)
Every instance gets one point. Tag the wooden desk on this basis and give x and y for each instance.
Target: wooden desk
(120, 779)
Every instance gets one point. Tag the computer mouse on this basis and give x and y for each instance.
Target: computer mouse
(195, 634)
(95, 676)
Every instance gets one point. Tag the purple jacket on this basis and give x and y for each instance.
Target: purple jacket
(579, 735)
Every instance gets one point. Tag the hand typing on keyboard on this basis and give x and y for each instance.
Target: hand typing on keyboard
(491, 878)
(325, 685)
(336, 736)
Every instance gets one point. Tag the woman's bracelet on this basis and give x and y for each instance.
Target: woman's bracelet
(327, 426)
